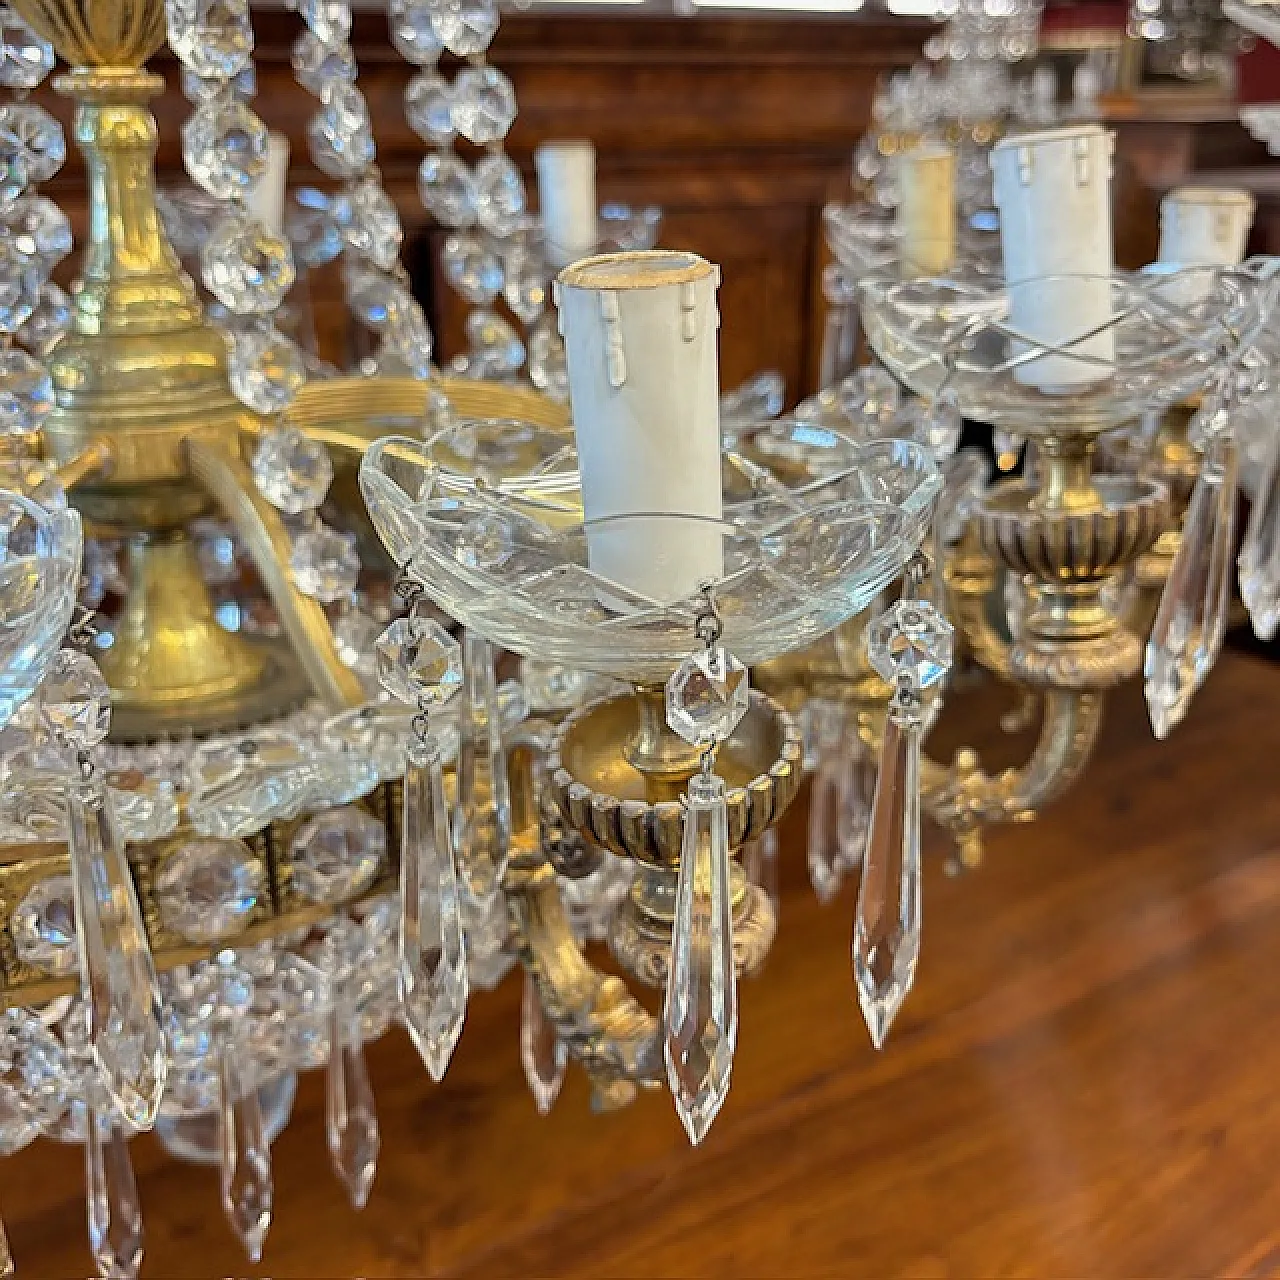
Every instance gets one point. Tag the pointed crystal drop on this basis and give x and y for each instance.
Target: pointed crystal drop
(484, 799)
(853, 805)
(1260, 554)
(700, 1012)
(1192, 618)
(351, 1118)
(542, 1053)
(886, 925)
(245, 1163)
(111, 1193)
(117, 974)
(6, 1255)
(826, 870)
(433, 962)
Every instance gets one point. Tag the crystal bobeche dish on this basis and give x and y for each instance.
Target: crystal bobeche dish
(488, 517)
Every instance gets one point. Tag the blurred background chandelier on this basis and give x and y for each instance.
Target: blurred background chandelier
(252, 817)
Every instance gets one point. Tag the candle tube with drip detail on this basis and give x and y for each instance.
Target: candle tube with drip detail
(926, 217)
(267, 196)
(1053, 191)
(640, 341)
(567, 199)
(1205, 226)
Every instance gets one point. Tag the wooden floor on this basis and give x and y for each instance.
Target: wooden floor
(1085, 1082)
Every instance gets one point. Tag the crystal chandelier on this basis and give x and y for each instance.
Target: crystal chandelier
(236, 853)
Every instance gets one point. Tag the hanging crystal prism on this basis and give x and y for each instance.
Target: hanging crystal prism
(853, 813)
(433, 962)
(760, 862)
(118, 976)
(910, 646)
(826, 867)
(542, 1053)
(111, 1195)
(351, 1118)
(483, 821)
(1192, 618)
(700, 1013)
(6, 1255)
(245, 1155)
(1260, 554)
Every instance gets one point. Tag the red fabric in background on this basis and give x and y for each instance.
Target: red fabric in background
(1259, 74)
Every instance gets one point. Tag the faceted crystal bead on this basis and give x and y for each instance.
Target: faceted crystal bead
(224, 147)
(34, 1079)
(428, 107)
(406, 341)
(351, 1120)
(542, 1053)
(316, 226)
(207, 889)
(499, 193)
(200, 89)
(265, 368)
(212, 38)
(433, 960)
(317, 63)
(496, 349)
(21, 278)
(288, 1027)
(35, 480)
(706, 696)
(43, 926)
(756, 400)
(869, 395)
(700, 1012)
(39, 229)
(26, 393)
(48, 321)
(484, 104)
(448, 189)
(413, 31)
(912, 642)
(340, 133)
(472, 267)
(373, 295)
(466, 27)
(936, 425)
(886, 930)
(417, 659)
(374, 228)
(111, 1194)
(354, 635)
(329, 20)
(324, 564)
(39, 135)
(548, 368)
(525, 272)
(485, 542)
(117, 973)
(246, 267)
(1191, 620)
(245, 1165)
(336, 854)
(25, 58)
(292, 471)
(75, 701)
(145, 806)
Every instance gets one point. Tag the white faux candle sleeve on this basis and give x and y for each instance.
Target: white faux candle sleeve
(640, 335)
(267, 196)
(1053, 191)
(1205, 226)
(926, 217)
(567, 199)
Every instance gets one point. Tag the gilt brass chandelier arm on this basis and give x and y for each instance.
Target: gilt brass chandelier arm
(963, 798)
(229, 484)
(92, 461)
(971, 579)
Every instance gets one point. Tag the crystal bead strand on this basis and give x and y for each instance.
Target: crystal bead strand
(910, 645)
(35, 236)
(706, 697)
(420, 663)
(482, 205)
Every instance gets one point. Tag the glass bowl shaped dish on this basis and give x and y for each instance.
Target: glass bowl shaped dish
(1171, 331)
(506, 554)
(39, 573)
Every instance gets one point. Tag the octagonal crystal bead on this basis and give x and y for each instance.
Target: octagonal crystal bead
(448, 189)
(25, 57)
(406, 339)
(374, 225)
(484, 104)
(39, 135)
(499, 194)
(428, 107)
(76, 701)
(43, 926)
(466, 27)
(340, 133)
(324, 564)
(292, 471)
(224, 146)
(207, 889)
(48, 321)
(418, 659)
(337, 854)
(472, 267)
(198, 89)
(213, 38)
(869, 394)
(247, 267)
(911, 643)
(21, 279)
(39, 229)
(329, 19)
(317, 63)
(265, 368)
(413, 31)
(26, 393)
(706, 696)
